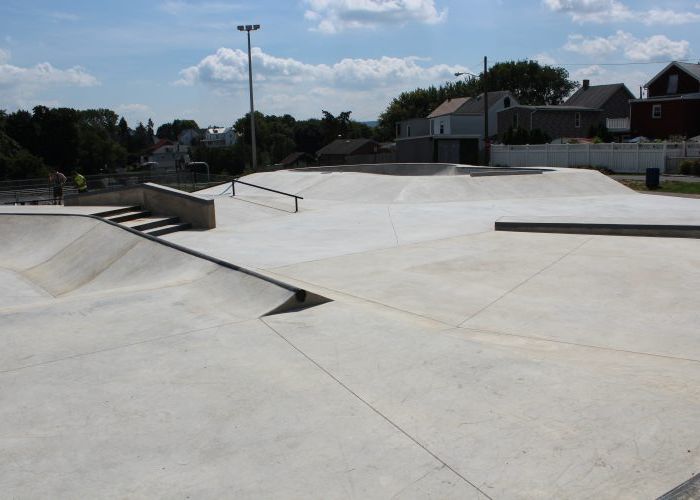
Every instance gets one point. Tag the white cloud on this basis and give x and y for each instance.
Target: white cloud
(285, 85)
(545, 59)
(332, 16)
(19, 85)
(44, 74)
(614, 11)
(231, 66)
(134, 112)
(636, 49)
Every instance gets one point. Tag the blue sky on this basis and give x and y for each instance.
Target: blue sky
(168, 59)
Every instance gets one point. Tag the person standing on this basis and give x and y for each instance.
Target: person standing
(80, 182)
(57, 179)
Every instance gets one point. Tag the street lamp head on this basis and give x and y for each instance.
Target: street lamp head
(241, 28)
(248, 27)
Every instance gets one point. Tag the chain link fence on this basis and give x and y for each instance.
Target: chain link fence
(40, 191)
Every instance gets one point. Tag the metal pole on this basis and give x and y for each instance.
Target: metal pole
(252, 109)
(486, 112)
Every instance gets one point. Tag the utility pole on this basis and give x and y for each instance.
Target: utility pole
(248, 28)
(487, 145)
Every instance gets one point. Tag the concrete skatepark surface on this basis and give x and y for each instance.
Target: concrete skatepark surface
(453, 361)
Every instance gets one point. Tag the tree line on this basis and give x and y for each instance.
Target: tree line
(96, 140)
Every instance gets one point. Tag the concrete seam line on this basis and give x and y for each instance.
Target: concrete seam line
(375, 410)
(450, 332)
(388, 209)
(526, 280)
(122, 346)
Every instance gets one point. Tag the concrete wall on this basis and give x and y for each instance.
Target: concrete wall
(419, 150)
(158, 199)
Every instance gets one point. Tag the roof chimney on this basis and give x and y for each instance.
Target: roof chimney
(586, 84)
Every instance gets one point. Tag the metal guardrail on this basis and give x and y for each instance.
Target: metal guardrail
(296, 198)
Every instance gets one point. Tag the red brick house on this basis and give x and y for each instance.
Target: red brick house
(672, 105)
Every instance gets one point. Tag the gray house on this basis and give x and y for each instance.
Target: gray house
(453, 132)
(588, 106)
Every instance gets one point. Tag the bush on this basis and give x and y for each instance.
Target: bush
(690, 167)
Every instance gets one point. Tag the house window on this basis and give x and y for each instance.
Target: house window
(442, 127)
(408, 131)
(506, 102)
(577, 120)
(672, 84)
(656, 111)
(398, 130)
(515, 120)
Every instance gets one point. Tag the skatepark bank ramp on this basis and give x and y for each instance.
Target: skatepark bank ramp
(57, 257)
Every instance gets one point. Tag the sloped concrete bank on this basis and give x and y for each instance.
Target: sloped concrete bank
(61, 256)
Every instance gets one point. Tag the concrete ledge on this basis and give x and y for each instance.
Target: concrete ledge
(421, 169)
(601, 228)
(158, 199)
(491, 173)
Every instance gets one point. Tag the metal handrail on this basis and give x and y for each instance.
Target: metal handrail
(296, 198)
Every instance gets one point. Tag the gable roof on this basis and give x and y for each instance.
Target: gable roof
(595, 96)
(292, 157)
(158, 145)
(468, 105)
(343, 146)
(449, 106)
(689, 68)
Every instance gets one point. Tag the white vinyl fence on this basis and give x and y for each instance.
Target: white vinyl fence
(623, 158)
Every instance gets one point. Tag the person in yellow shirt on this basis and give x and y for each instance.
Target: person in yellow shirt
(80, 182)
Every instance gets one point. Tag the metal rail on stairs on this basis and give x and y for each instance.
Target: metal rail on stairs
(296, 198)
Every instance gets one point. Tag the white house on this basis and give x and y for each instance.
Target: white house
(219, 137)
(168, 155)
(453, 132)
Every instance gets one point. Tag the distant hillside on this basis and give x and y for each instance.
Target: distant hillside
(372, 123)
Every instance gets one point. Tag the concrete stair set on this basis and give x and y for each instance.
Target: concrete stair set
(143, 220)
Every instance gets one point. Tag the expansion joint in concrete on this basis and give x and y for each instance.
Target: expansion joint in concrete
(375, 410)
(526, 280)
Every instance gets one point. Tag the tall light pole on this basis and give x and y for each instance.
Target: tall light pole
(248, 28)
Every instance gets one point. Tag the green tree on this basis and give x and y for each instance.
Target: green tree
(123, 133)
(308, 136)
(173, 130)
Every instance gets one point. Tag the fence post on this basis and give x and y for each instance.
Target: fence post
(233, 189)
(639, 158)
(568, 156)
(611, 156)
(664, 157)
(588, 154)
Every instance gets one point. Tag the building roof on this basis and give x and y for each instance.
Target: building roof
(449, 106)
(293, 157)
(158, 145)
(467, 105)
(343, 146)
(690, 68)
(595, 96)
(552, 107)
(476, 104)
